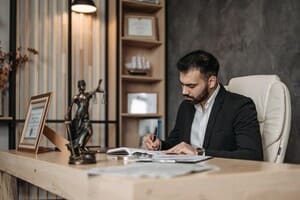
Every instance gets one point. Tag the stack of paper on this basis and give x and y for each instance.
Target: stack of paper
(165, 158)
(150, 170)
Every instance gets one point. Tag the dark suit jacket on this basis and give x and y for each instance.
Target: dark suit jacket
(232, 130)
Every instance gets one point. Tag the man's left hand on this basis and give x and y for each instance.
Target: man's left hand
(182, 148)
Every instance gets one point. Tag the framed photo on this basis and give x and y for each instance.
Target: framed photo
(34, 122)
(142, 103)
(140, 26)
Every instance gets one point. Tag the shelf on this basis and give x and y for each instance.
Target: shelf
(143, 79)
(5, 119)
(141, 6)
(141, 42)
(127, 115)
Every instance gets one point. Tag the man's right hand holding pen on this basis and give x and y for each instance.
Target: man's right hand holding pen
(151, 141)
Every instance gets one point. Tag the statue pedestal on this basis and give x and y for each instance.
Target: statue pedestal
(84, 158)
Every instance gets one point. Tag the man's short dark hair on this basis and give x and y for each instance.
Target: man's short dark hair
(203, 61)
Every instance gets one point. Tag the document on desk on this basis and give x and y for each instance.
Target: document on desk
(152, 169)
(142, 155)
(167, 158)
(131, 151)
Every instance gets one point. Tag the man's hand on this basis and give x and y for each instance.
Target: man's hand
(182, 148)
(150, 142)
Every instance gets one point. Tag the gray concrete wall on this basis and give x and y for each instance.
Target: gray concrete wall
(247, 36)
(4, 38)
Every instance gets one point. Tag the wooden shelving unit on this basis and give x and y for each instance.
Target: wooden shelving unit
(153, 82)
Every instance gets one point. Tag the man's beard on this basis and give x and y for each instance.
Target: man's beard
(202, 97)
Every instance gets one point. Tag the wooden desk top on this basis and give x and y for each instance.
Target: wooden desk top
(235, 179)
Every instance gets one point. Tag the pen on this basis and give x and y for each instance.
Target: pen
(154, 134)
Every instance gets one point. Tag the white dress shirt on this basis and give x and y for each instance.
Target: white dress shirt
(201, 119)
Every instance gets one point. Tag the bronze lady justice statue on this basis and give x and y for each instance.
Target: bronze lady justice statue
(79, 128)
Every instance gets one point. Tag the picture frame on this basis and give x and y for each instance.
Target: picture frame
(140, 26)
(34, 123)
(142, 103)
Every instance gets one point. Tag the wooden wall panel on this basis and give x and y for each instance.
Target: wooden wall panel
(43, 25)
(88, 51)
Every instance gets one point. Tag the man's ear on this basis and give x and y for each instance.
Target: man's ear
(212, 81)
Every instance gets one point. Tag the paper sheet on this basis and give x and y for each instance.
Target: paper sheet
(165, 170)
(166, 158)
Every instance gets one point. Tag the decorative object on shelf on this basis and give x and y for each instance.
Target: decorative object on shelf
(139, 65)
(34, 122)
(6, 66)
(79, 128)
(84, 6)
(149, 1)
(140, 26)
(142, 103)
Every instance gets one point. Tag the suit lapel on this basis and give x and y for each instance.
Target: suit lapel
(213, 115)
(189, 122)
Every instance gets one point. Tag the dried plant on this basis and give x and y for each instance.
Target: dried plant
(6, 64)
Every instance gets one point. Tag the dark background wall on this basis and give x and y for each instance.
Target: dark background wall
(247, 36)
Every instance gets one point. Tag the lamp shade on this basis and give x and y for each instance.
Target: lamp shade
(83, 6)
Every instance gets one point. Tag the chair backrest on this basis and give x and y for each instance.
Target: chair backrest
(273, 104)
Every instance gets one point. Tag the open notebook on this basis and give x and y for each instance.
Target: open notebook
(131, 151)
(142, 155)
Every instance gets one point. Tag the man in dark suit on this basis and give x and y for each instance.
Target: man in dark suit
(210, 120)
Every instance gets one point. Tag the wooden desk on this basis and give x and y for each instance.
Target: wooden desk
(236, 179)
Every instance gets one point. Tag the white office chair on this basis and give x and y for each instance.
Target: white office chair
(273, 104)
